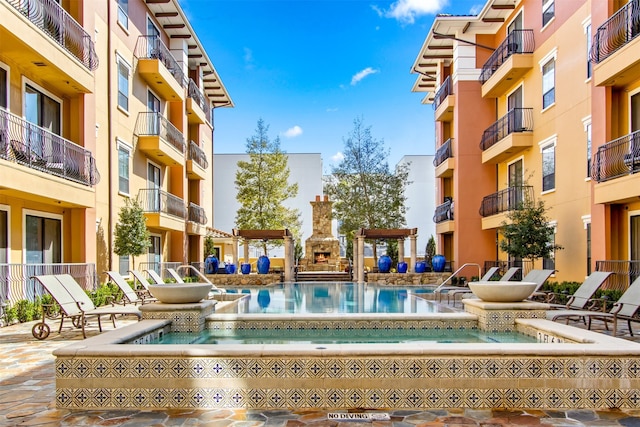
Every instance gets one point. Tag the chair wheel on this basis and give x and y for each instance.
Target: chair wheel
(40, 331)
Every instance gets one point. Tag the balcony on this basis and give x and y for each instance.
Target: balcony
(443, 217)
(509, 62)
(198, 108)
(444, 160)
(163, 210)
(46, 41)
(196, 220)
(616, 170)
(197, 163)
(616, 48)
(495, 206)
(159, 139)
(444, 101)
(508, 136)
(40, 165)
(160, 69)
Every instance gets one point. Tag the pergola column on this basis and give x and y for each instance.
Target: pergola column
(360, 256)
(234, 251)
(412, 242)
(288, 258)
(245, 245)
(400, 250)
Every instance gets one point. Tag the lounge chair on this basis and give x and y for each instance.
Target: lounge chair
(625, 308)
(139, 277)
(74, 303)
(174, 275)
(155, 277)
(582, 298)
(508, 275)
(201, 277)
(440, 289)
(130, 295)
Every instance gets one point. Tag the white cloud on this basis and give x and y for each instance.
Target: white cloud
(293, 132)
(406, 11)
(248, 58)
(338, 157)
(332, 109)
(362, 74)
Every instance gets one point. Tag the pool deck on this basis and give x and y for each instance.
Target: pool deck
(27, 398)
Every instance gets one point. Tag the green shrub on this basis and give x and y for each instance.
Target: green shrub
(24, 310)
(105, 294)
(10, 315)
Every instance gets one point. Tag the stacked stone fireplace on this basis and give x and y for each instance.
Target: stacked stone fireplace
(322, 249)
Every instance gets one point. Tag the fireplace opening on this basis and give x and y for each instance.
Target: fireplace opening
(321, 257)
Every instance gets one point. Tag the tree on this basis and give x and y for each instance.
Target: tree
(528, 234)
(131, 236)
(366, 193)
(263, 186)
(209, 246)
(430, 250)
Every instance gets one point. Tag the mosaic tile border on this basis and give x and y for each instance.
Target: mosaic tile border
(502, 320)
(341, 324)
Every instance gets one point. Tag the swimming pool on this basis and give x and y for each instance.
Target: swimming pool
(346, 297)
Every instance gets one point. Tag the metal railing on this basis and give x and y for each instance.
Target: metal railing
(159, 267)
(196, 94)
(518, 41)
(616, 32)
(617, 158)
(56, 23)
(444, 152)
(150, 123)
(16, 281)
(625, 273)
(509, 199)
(159, 201)
(198, 155)
(152, 47)
(525, 267)
(444, 212)
(197, 214)
(30, 145)
(516, 120)
(445, 89)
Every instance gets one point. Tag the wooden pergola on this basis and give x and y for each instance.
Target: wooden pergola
(265, 235)
(399, 234)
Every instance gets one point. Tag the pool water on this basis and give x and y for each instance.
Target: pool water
(346, 297)
(343, 336)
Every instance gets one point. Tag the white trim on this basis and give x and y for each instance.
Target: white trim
(159, 98)
(146, 27)
(40, 214)
(7, 209)
(586, 121)
(586, 23)
(552, 140)
(521, 13)
(121, 57)
(149, 161)
(7, 69)
(586, 220)
(553, 54)
(519, 86)
(542, 9)
(129, 149)
(123, 61)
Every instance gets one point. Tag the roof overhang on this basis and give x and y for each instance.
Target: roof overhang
(262, 234)
(174, 22)
(387, 233)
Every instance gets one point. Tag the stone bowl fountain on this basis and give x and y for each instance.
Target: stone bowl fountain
(497, 291)
(182, 293)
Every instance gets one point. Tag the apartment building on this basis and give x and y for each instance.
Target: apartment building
(512, 91)
(101, 102)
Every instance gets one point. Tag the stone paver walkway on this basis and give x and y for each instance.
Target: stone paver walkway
(27, 398)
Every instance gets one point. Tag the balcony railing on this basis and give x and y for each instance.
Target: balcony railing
(518, 41)
(444, 212)
(616, 32)
(54, 21)
(625, 273)
(617, 158)
(16, 281)
(154, 124)
(151, 47)
(198, 155)
(506, 200)
(444, 152)
(445, 89)
(159, 201)
(197, 214)
(37, 148)
(516, 120)
(196, 94)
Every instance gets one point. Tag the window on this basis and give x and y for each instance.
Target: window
(42, 110)
(550, 263)
(123, 168)
(549, 168)
(587, 31)
(548, 83)
(123, 84)
(548, 11)
(123, 13)
(43, 239)
(588, 228)
(588, 130)
(4, 94)
(123, 265)
(4, 235)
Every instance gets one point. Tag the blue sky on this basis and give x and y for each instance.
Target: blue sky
(308, 68)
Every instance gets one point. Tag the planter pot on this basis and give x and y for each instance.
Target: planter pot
(402, 267)
(230, 268)
(438, 263)
(421, 267)
(384, 264)
(245, 268)
(263, 264)
(211, 265)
